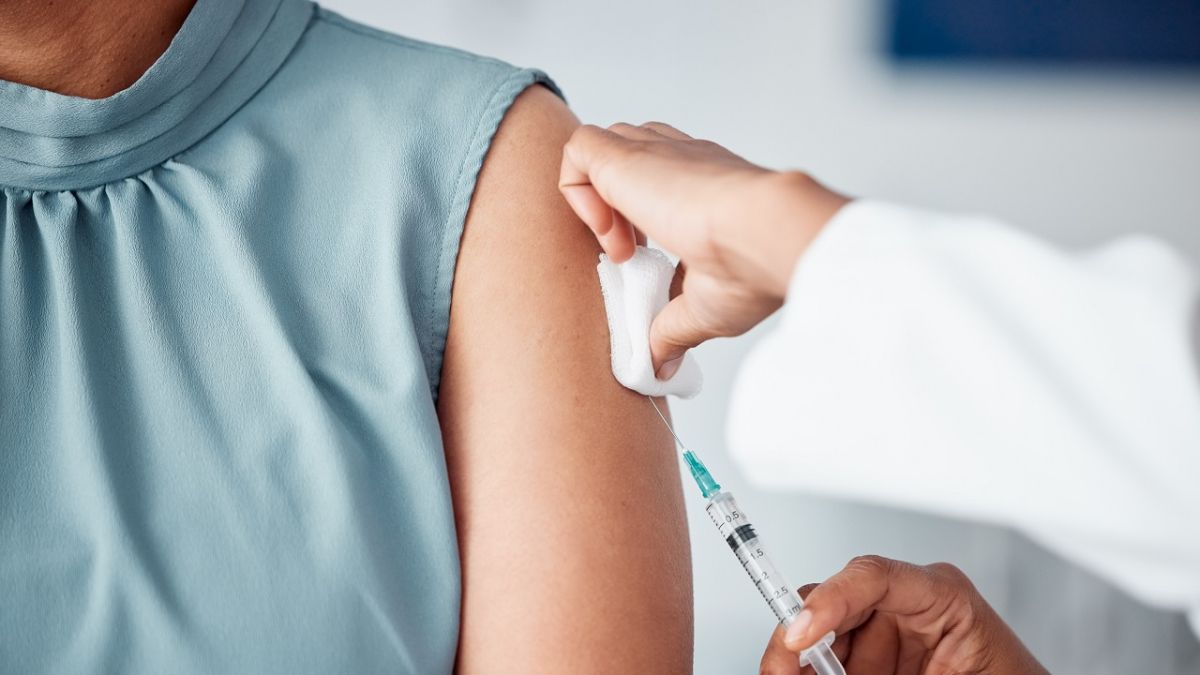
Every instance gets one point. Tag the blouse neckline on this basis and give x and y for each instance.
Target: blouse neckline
(224, 52)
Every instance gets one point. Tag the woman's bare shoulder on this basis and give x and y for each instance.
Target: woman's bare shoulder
(550, 460)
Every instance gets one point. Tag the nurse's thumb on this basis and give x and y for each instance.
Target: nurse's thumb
(673, 332)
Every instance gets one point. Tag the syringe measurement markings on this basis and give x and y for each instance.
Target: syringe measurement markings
(743, 540)
(774, 599)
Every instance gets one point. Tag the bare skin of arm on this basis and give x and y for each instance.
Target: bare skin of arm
(566, 488)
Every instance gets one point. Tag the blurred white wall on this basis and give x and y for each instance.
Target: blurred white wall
(1074, 156)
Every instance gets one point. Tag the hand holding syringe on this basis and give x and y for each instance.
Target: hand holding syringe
(933, 612)
(739, 533)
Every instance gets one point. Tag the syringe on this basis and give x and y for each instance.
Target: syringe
(739, 533)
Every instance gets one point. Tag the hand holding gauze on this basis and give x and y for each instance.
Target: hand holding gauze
(737, 228)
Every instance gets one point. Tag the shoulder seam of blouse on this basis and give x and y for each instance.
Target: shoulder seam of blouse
(339, 21)
(499, 102)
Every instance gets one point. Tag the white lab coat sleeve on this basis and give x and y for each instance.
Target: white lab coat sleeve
(959, 366)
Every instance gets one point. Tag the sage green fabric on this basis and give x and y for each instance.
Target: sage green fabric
(224, 296)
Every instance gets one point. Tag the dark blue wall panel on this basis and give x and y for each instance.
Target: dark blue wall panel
(1163, 32)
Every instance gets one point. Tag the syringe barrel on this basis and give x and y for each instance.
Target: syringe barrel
(739, 534)
(735, 526)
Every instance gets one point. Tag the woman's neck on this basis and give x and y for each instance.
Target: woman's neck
(87, 48)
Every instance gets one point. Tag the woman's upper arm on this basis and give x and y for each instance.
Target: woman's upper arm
(566, 489)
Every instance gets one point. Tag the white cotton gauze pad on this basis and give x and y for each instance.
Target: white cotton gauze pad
(634, 292)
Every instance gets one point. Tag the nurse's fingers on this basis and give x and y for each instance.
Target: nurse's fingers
(602, 167)
(589, 149)
(590, 207)
(613, 230)
(877, 647)
(639, 237)
(672, 332)
(868, 584)
(676, 286)
(667, 130)
(588, 145)
(777, 659)
(635, 133)
(620, 240)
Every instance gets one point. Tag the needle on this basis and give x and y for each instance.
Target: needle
(668, 424)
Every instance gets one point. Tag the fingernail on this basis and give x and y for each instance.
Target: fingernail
(798, 629)
(668, 369)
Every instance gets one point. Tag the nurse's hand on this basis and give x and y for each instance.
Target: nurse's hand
(894, 617)
(737, 228)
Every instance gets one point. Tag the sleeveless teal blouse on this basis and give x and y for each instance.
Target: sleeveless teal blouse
(224, 295)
